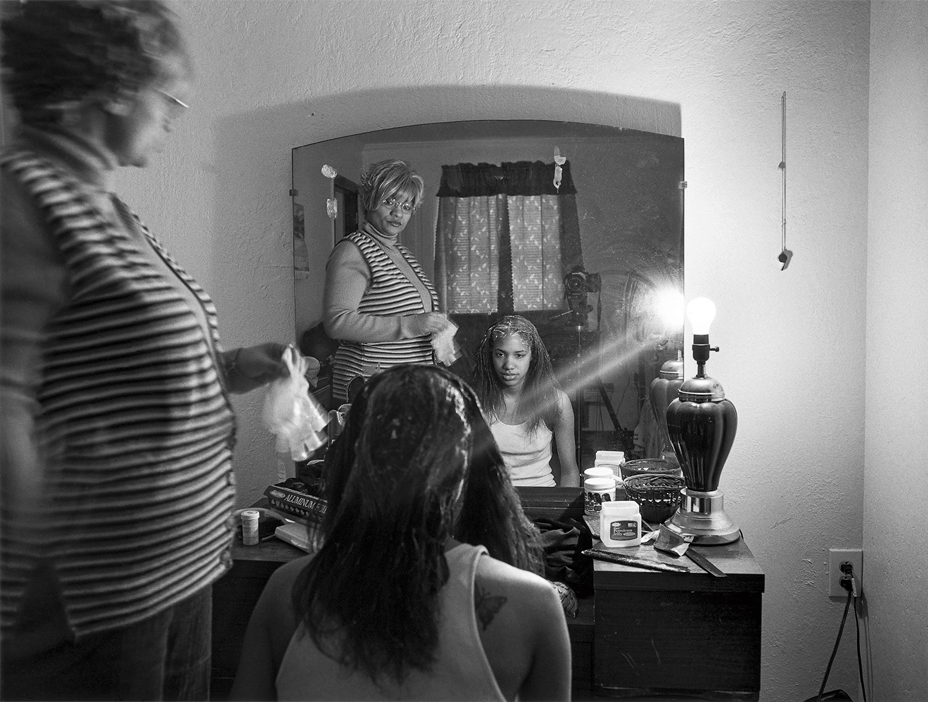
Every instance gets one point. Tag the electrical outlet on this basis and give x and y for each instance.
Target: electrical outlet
(837, 556)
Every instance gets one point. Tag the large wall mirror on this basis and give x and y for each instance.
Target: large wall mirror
(592, 250)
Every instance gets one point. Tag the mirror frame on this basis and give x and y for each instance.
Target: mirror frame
(645, 213)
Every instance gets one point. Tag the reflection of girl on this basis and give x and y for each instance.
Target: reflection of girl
(377, 300)
(393, 606)
(525, 408)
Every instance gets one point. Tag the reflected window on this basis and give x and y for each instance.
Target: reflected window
(505, 237)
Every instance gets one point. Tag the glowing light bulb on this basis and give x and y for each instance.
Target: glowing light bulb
(700, 312)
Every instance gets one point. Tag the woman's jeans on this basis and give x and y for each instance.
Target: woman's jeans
(166, 656)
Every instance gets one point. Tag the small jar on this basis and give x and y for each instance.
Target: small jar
(620, 524)
(250, 519)
(598, 472)
(596, 491)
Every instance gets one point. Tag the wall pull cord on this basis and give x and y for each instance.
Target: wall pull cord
(785, 254)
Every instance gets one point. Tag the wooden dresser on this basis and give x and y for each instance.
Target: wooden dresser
(643, 634)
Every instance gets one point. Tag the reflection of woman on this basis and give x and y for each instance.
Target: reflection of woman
(525, 407)
(393, 606)
(377, 300)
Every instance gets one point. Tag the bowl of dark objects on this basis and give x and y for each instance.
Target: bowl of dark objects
(648, 466)
(658, 496)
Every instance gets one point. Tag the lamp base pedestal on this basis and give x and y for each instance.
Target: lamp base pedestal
(702, 515)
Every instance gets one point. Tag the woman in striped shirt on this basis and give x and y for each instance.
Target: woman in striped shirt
(378, 302)
(117, 429)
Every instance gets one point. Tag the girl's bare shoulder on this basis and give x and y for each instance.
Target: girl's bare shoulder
(519, 586)
(281, 582)
(563, 403)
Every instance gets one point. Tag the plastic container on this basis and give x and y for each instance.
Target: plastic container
(620, 524)
(250, 519)
(613, 459)
(596, 491)
(599, 472)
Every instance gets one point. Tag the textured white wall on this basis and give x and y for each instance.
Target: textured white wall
(896, 483)
(274, 75)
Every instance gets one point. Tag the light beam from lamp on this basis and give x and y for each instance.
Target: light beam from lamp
(702, 425)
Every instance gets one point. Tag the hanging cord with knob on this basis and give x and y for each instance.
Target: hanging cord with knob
(785, 254)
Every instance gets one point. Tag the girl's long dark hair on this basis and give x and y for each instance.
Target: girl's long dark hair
(540, 392)
(491, 512)
(370, 596)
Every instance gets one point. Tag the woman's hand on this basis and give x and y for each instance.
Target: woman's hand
(433, 322)
(251, 367)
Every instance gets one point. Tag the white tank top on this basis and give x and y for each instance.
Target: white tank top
(462, 670)
(527, 456)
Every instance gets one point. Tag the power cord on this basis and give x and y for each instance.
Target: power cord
(849, 583)
(860, 665)
(834, 652)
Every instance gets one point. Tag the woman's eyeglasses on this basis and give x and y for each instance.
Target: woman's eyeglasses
(177, 105)
(391, 203)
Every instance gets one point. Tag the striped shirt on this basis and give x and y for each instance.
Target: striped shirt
(389, 294)
(132, 420)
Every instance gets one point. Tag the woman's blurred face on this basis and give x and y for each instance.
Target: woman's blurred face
(143, 131)
(391, 215)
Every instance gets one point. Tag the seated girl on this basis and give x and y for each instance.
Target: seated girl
(393, 606)
(524, 406)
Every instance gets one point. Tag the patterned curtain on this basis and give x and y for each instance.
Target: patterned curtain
(505, 237)
(535, 242)
(468, 248)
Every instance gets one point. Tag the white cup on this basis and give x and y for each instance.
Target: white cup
(250, 518)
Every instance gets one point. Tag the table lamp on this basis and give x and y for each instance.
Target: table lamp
(702, 424)
(664, 389)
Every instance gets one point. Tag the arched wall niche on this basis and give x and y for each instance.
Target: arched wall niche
(343, 114)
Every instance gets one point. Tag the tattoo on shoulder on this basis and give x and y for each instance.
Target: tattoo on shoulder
(486, 605)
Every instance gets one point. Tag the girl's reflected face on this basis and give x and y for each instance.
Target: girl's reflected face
(511, 359)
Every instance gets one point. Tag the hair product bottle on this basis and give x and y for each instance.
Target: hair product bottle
(620, 524)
